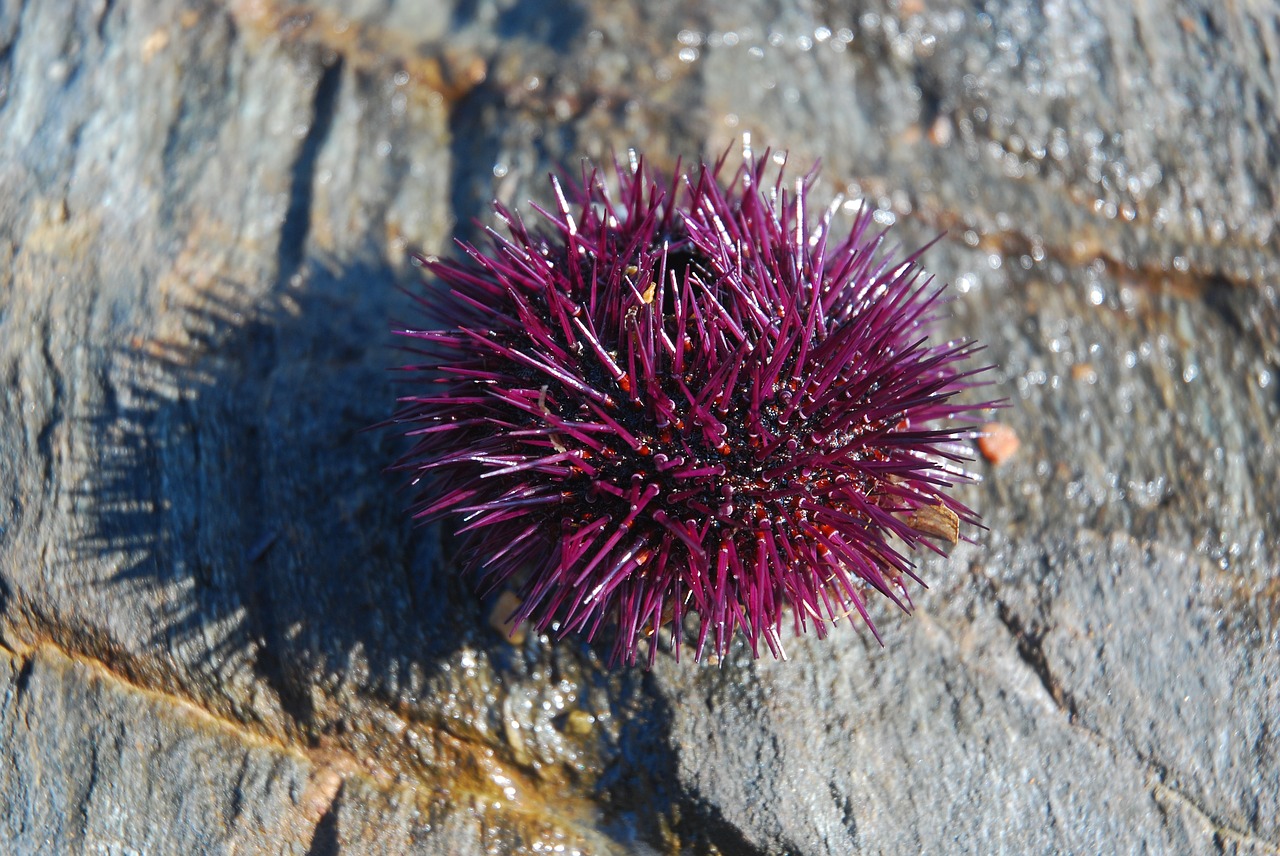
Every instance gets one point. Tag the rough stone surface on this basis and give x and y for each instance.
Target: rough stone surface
(218, 634)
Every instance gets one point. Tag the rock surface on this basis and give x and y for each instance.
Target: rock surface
(218, 633)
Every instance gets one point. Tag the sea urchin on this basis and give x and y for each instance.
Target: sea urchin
(686, 398)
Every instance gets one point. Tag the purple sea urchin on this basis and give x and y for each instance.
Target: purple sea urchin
(687, 398)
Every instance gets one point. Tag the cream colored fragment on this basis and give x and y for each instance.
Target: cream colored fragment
(542, 405)
(579, 723)
(499, 618)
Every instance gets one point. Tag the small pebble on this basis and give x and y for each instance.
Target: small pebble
(940, 132)
(998, 442)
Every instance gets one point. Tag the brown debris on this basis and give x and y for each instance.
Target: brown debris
(443, 69)
(936, 521)
(1084, 373)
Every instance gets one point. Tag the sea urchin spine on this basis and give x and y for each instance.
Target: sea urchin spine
(686, 398)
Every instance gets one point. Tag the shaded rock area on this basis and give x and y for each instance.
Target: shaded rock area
(219, 634)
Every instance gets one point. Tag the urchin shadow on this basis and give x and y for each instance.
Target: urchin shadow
(555, 23)
(239, 493)
(151, 392)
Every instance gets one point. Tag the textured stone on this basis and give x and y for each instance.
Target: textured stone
(219, 634)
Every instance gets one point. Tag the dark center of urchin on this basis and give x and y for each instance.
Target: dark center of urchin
(689, 401)
(705, 465)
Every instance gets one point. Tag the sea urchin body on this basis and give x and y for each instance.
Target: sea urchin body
(686, 398)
